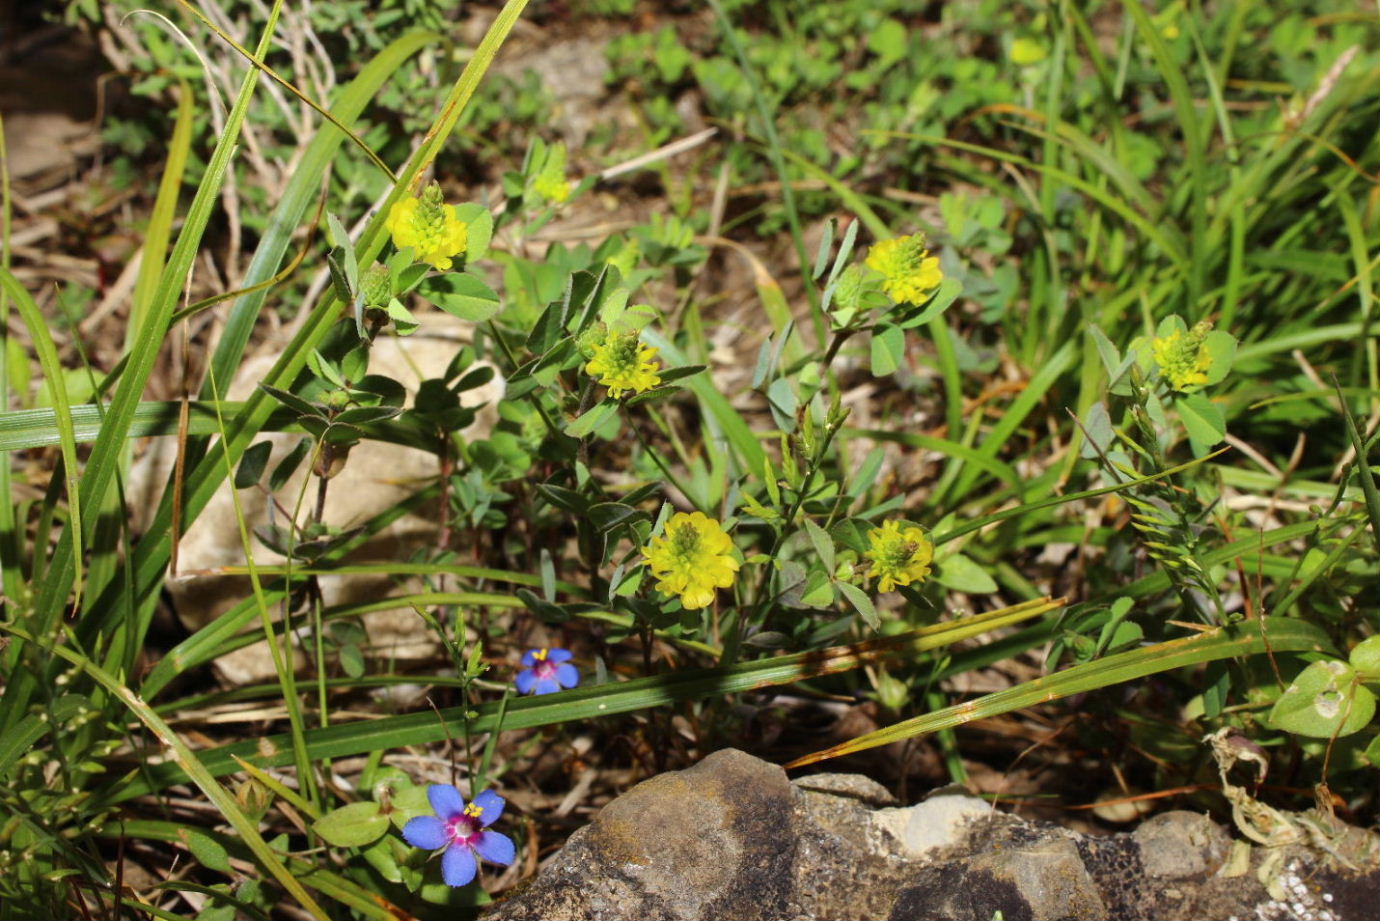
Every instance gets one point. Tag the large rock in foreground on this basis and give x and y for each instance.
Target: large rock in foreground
(732, 838)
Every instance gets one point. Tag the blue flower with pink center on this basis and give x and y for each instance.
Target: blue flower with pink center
(547, 671)
(463, 831)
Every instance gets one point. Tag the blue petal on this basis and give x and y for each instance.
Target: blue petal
(567, 675)
(426, 832)
(529, 658)
(496, 848)
(457, 866)
(547, 686)
(560, 655)
(492, 805)
(525, 680)
(446, 800)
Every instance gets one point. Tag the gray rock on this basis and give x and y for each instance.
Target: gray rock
(1178, 844)
(731, 838)
(713, 841)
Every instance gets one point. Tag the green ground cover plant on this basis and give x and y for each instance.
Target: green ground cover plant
(1103, 276)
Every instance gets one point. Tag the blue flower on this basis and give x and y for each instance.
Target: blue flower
(461, 830)
(547, 671)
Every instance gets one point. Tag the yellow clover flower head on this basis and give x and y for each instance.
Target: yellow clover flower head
(620, 362)
(430, 226)
(909, 272)
(1183, 358)
(692, 559)
(899, 555)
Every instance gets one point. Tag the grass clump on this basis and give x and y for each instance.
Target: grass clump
(1079, 359)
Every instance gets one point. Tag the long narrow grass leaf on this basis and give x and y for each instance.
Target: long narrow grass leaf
(192, 768)
(1248, 638)
(346, 739)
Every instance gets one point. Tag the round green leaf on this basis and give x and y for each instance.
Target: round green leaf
(408, 804)
(1365, 658)
(354, 825)
(1326, 700)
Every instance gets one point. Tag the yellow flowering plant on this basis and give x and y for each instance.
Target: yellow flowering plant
(898, 286)
(1174, 367)
(430, 227)
(692, 558)
(622, 363)
(909, 273)
(900, 554)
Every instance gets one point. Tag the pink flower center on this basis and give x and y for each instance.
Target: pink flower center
(465, 828)
(545, 670)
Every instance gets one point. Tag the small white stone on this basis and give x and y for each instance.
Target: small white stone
(934, 823)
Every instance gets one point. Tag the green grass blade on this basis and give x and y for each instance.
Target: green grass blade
(11, 541)
(1166, 237)
(1363, 472)
(192, 767)
(108, 449)
(347, 739)
(204, 477)
(750, 453)
(1004, 472)
(1051, 370)
(368, 904)
(778, 162)
(1191, 127)
(36, 428)
(1249, 638)
(1246, 547)
(62, 416)
(159, 229)
(300, 192)
(977, 524)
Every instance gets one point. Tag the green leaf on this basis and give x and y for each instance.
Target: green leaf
(252, 464)
(861, 602)
(461, 295)
(354, 825)
(942, 300)
(783, 403)
(1097, 431)
(888, 42)
(1203, 420)
(207, 850)
(888, 348)
(961, 574)
(352, 660)
(293, 401)
(337, 260)
(826, 243)
(1326, 700)
(1365, 658)
(823, 544)
(289, 464)
(1222, 347)
(480, 227)
(818, 591)
(591, 418)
